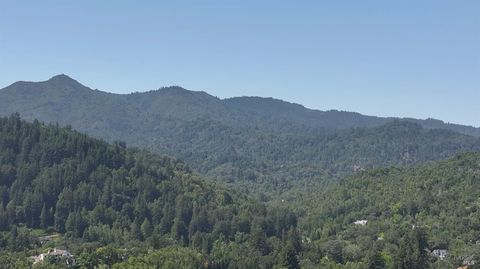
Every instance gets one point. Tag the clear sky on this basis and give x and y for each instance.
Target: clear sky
(416, 58)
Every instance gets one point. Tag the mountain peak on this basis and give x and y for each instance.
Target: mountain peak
(180, 92)
(62, 78)
(175, 90)
(63, 82)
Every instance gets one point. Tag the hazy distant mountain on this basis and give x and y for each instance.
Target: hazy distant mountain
(61, 92)
(281, 110)
(258, 139)
(278, 109)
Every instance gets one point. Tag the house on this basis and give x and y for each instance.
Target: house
(361, 222)
(60, 252)
(38, 258)
(440, 253)
(57, 253)
(357, 168)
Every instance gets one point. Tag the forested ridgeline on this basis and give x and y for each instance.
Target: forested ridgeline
(256, 144)
(279, 162)
(110, 204)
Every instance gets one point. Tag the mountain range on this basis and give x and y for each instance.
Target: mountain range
(176, 102)
(245, 140)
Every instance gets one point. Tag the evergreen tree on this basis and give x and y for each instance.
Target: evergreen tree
(12, 240)
(61, 213)
(167, 219)
(44, 218)
(412, 252)
(374, 260)
(70, 223)
(180, 231)
(135, 230)
(258, 239)
(146, 228)
(290, 257)
(3, 218)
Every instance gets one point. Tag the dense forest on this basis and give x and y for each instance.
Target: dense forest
(276, 163)
(254, 144)
(114, 205)
(117, 207)
(409, 213)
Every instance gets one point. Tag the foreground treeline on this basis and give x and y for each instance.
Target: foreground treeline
(129, 202)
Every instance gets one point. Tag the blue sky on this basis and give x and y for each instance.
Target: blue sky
(415, 58)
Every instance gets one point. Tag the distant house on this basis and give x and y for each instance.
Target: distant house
(57, 253)
(357, 168)
(38, 258)
(361, 222)
(440, 253)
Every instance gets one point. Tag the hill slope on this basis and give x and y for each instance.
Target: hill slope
(244, 140)
(437, 202)
(95, 194)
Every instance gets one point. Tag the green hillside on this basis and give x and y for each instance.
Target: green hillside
(410, 212)
(253, 143)
(110, 203)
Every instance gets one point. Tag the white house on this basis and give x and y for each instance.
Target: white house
(361, 222)
(55, 252)
(440, 253)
